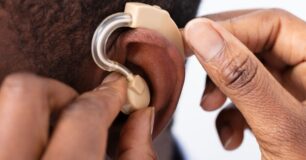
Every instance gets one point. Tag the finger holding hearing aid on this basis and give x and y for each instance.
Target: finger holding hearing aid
(80, 130)
(89, 116)
(91, 135)
(263, 94)
(136, 136)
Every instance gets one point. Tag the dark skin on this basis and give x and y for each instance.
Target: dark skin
(261, 69)
(52, 39)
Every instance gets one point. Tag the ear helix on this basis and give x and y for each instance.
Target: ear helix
(136, 15)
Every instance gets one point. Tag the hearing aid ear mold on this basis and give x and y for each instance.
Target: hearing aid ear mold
(138, 95)
(136, 15)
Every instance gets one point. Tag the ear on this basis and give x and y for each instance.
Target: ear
(152, 56)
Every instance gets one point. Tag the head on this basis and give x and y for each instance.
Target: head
(53, 39)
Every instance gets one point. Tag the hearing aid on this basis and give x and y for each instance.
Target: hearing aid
(136, 15)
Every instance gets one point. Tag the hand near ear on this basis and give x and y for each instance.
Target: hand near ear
(136, 136)
(28, 101)
(269, 94)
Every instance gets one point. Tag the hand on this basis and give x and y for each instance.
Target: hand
(80, 132)
(258, 61)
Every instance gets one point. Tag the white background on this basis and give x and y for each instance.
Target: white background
(194, 128)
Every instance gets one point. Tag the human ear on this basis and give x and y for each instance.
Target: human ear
(152, 56)
(159, 62)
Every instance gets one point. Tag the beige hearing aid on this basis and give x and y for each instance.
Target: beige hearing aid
(157, 19)
(136, 15)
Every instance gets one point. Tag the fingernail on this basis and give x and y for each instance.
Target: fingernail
(112, 77)
(226, 136)
(204, 39)
(152, 119)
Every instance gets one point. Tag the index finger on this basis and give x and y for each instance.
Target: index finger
(81, 132)
(26, 103)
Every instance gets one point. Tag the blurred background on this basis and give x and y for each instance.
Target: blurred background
(195, 129)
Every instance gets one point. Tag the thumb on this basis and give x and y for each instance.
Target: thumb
(135, 139)
(239, 74)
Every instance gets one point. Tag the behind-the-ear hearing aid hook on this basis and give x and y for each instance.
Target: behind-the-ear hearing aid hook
(135, 15)
(100, 39)
(138, 91)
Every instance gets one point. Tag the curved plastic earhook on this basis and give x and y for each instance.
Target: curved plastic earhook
(99, 43)
(138, 94)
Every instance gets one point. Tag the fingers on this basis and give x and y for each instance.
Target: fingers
(231, 125)
(136, 136)
(81, 132)
(273, 31)
(273, 37)
(26, 102)
(239, 74)
(212, 98)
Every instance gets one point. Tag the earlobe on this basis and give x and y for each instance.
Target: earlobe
(150, 55)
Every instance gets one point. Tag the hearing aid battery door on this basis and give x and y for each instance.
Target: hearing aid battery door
(138, 95)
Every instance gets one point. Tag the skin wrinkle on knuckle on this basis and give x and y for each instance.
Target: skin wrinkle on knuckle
(237, 70)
